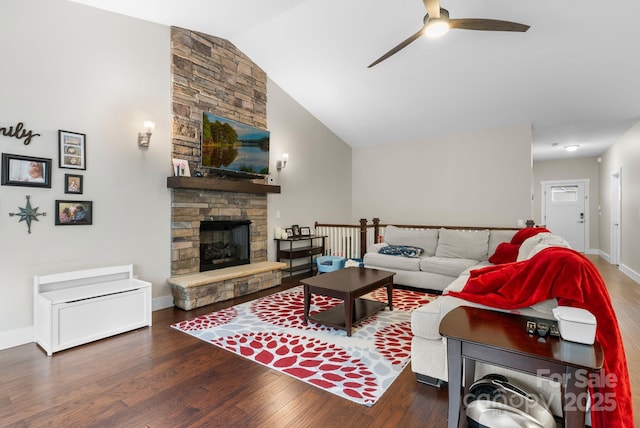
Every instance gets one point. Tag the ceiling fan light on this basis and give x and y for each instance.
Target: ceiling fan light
(436, 27)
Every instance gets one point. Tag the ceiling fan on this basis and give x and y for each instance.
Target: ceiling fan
(437, 23)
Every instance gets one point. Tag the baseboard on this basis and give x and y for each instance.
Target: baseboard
(630, 273)
(17, 337)
(22, 336)
(592, 251)
(161, 302)
(605, 256)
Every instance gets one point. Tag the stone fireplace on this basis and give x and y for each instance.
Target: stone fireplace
(191, 208)
(224, 243)
(211, 74)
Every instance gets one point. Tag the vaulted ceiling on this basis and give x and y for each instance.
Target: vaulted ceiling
(573, 75)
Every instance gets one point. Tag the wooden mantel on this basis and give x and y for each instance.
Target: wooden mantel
(208, 183)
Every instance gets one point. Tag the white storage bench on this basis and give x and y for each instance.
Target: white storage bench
(74, 308)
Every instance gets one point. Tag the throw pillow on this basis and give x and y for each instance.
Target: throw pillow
(401, 250)
(506, 252)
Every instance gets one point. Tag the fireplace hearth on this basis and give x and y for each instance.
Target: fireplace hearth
(224, 243)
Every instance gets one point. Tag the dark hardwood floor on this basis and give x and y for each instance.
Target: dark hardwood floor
(161, 377)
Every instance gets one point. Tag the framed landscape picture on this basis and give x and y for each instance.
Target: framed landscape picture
(74, 213)
(72, 150)
(28, 171)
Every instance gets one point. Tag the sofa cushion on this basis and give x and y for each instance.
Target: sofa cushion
(391, 262)
(427, 239)
(539, 242)
(425, 321)
(446, 265)
(528, 244)
(551, 241)
(463, 244)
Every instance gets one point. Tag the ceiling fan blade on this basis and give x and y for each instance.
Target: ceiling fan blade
(487, 25)
(433, 8)
(397, 48)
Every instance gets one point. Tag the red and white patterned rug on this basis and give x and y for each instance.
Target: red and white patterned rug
(269, 331)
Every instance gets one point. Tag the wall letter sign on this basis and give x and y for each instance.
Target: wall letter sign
(19, 132)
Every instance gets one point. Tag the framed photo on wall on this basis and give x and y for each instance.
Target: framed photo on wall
(74, 213)
(28, 171)
(72, 150)
(73, 183)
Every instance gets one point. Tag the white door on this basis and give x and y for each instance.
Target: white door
(615, 218)
(564, 212)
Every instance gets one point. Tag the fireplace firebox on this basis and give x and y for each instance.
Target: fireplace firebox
(224, 243)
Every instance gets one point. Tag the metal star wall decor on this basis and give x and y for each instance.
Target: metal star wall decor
(28, 214)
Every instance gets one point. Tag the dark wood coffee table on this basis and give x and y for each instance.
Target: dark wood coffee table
(347, 284)
(501, 339)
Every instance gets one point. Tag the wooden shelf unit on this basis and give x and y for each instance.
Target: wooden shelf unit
(290, 250)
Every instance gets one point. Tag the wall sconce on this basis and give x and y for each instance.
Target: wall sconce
(280, 164)
(144, 138)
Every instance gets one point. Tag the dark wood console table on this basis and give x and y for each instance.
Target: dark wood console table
(498, 338)
(304, 248)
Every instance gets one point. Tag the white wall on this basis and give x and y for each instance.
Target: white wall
(67, 66)
(623, 154)
(316, 183)
(71, 67)
(474, 179)
(571, 169)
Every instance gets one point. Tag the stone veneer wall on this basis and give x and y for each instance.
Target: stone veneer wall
(211, 74)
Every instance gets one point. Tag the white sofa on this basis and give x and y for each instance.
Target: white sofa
(448, 257)
(446, 253)
(428, 348)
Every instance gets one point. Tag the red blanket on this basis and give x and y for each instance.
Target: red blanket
(573, 280)
(507, 252)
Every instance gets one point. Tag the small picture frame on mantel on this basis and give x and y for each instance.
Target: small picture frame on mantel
(305, 231)
(181, 168)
